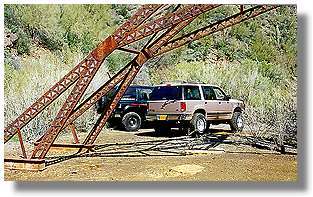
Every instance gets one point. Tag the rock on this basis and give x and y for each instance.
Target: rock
(74, 171)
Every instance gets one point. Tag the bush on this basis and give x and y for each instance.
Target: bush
(23, 43)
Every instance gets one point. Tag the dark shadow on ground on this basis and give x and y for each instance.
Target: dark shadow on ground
(179, 133)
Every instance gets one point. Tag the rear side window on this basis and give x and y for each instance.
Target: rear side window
(166, 93)
(192, 93)
(208, 93)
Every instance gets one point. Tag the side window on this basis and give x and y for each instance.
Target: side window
(208, 93)
(192, 93)
(218, 93)
(143, 94)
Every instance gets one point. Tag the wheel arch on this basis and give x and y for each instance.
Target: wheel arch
(139, 111)
(237, 109)
(200, 110)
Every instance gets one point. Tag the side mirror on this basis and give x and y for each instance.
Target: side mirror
(227, 97)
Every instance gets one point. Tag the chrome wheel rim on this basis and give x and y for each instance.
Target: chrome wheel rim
(239, 122)
(132, 122)
(200, 125)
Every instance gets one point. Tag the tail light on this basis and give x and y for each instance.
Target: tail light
(183, 106)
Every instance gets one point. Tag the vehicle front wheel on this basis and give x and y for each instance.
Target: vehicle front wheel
(236, 122)
(198, 123)
(131, 121)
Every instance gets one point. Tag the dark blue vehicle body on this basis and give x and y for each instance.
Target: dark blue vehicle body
(131, 111)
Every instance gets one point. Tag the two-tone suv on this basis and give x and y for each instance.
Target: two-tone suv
(193, 106)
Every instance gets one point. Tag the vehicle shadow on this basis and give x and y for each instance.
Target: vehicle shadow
(179, 133)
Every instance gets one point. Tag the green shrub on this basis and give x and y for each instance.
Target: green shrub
(23, 43)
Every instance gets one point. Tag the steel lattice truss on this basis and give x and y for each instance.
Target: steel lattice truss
(144, 23)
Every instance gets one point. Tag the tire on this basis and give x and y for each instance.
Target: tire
(198, 124)
(131, 121)
(207, 130)
(236, 122)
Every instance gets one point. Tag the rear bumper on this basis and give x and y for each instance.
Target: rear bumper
(168, 117)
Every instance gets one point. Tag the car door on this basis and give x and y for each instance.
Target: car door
(224, 107)
(217, 107)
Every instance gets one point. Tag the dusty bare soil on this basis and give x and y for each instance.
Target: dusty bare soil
(219, 163)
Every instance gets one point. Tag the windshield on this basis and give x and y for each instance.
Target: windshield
(166, 93)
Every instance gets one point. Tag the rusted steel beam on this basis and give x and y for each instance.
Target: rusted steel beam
(134, 21)
(73, 130)
(103, 90)
(122, 36)
(72, 146)
(56, 90)
(20, 138)
(215, 27)
(118, 77)
(136, 64)
(92, 66)
(167, 21)
(103, 118)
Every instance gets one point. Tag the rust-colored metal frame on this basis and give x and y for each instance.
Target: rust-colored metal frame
(134, 29)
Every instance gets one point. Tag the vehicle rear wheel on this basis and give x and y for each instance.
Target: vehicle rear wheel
(131, 121)
(198, 123)
(236, 122)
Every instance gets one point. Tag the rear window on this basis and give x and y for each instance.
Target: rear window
(166, 93)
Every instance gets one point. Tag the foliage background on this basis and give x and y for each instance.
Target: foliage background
(254, 61)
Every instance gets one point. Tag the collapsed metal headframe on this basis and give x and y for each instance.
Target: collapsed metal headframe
(134, 29)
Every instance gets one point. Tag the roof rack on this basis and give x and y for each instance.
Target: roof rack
(181, 81)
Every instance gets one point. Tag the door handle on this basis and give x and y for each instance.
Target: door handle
(205, 102)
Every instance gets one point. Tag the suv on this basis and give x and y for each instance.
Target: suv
(131, 111)
(193, 106)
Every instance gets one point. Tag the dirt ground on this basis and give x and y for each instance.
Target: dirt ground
(223, 162)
